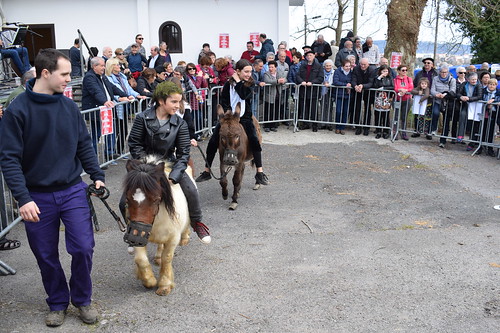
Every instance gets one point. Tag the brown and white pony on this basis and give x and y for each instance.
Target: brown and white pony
(234, 150)
(160, 210)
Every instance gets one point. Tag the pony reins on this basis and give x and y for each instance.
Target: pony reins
(224, 174)
(102, 193)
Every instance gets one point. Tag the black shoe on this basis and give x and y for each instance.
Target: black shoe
(415, 135)
(267, 130)
(204, 176)
(198, 138)
(385, 135)
(428, 137)
(315, 129)
(330, 128)
(378, 136)
(105, 167)
(358, 131)
(261, 178)
(274, 129)
(366, 131)
(490, 152)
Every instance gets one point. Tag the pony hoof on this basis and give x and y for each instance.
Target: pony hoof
(233, 206)
(164, 291)
(256, 187)
(224, 197)
(151, 283)
(184, 241)
(157, 261)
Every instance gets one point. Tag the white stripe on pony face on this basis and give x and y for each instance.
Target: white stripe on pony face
(139, 196)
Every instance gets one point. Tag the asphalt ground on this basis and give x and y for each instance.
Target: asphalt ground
(353, 234)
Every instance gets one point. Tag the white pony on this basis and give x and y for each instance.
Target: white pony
(157, 212)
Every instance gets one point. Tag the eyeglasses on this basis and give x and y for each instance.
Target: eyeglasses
(140, 38)
(428, 63)
(404, 70)
(119, 54)
(191, 69)
(461, 72)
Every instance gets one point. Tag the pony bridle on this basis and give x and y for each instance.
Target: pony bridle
(137, 233)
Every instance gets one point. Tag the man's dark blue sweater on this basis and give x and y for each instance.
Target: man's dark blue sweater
(44, 145)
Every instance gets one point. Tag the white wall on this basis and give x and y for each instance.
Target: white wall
(115, 22)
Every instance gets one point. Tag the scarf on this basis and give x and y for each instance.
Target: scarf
(445, 80)
(235, 99)
(329, 79)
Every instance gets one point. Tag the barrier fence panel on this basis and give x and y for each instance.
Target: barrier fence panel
(337, 107)
(273, 105)
(9, 217)
(452, 120)
(200, 110)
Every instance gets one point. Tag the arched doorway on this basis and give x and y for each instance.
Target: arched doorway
(171, 33)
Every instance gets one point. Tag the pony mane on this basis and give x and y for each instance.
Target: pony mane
(144, 174)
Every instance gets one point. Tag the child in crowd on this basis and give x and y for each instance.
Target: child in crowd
(420, 101)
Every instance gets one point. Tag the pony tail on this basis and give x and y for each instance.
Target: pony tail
(167, 197)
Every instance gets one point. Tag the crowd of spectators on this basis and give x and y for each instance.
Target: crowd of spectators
(354, 69)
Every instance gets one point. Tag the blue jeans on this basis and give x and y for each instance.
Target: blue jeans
(19, 56)
(342, 109)
(69, 206)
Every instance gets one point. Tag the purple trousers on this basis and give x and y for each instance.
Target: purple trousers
(69, 206)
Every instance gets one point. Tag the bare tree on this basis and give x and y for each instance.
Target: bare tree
(403, 26)
(335, 21)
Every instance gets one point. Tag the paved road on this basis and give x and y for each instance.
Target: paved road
(352, 235)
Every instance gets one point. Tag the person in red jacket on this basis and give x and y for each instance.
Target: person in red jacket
(403, 85)
(250, 53)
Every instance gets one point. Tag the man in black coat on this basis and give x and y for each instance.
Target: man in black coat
(343, 53)
(155, 59)
(310, 72)
(98, 91)
(362, 78)
(321, 49)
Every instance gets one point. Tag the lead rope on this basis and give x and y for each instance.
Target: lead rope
(224, 174)
(102, 193)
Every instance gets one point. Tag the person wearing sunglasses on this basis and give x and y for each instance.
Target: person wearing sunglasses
(403, 85)
(138, 40)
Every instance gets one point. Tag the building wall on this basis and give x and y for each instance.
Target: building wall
(115, 22)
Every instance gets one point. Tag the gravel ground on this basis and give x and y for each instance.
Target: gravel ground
(352, 235)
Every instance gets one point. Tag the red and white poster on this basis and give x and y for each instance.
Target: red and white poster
(396, 59)
(254, 37)
(106, 120)
(223, 41)
(68, 92)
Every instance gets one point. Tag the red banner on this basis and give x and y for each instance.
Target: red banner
(223, 41)
(68, 92)
(254, 37)
(396, 59)
(106, 120)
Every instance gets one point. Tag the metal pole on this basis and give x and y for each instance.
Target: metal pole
(436, 32)
(355, 19)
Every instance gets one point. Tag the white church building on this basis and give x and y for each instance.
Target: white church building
(183, 24)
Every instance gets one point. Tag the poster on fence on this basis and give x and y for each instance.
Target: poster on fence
(223, 41)
(68, 92)
(474, 111)
(419, 108)
(396, 59)
(106, 120)
(254, 37)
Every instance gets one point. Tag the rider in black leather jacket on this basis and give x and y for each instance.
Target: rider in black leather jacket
(160, 131)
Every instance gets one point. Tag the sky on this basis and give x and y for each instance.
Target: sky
(372, 21)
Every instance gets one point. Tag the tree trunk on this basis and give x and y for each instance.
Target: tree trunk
(403, 26)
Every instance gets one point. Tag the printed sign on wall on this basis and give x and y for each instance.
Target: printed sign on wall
(254, 37)
(223, 41)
